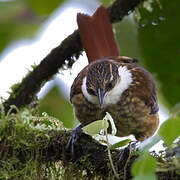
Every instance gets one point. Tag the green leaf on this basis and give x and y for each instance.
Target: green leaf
(120, 144)
(145, 165)
(45, 7)
(170, 130)
(95, 127)
(176, 109)
(146, 176)
(159, 43)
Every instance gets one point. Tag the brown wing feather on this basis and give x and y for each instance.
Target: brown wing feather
(144, 81)
(97, 35)
(143, 85)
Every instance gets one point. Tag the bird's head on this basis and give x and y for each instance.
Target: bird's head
(105, 82)
(101, 78)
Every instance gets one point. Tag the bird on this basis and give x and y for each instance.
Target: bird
(112, 83)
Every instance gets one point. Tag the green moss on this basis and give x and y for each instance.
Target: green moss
(21, 139)
(13, 89)
(30, 149)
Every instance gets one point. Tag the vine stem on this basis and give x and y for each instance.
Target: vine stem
(125, 166)
(109, 155)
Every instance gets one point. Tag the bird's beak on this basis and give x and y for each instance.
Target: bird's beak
(101, 97)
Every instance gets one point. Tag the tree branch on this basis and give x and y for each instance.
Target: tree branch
(22, 147)
(91, 156)
(23, 93)
(121, 8)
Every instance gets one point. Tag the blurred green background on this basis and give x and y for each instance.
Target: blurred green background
(150, 34)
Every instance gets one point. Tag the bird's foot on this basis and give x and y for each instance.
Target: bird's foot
(124, 153)
(73, 140)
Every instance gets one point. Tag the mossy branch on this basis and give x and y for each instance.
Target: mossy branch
(35, 148)
(23, 148)
(23, 93)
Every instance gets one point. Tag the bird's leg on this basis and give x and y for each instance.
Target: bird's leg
(73, 140)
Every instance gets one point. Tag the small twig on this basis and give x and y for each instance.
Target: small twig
(109, 155)
(126, 164)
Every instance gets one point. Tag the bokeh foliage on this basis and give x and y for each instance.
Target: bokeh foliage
(21, 19)
(44, 7)
(127, 38)
(144, 168)
(158, 34)
(154, 40)
(55, 104)
(106, 2)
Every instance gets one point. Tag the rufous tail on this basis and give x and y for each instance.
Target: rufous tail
(96, 35)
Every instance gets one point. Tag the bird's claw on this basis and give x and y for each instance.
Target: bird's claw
(73, 140)
(126, 151)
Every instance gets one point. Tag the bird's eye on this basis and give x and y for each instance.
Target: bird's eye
(110, 85)
(91, 91)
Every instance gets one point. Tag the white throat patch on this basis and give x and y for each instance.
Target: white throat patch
(113, 96)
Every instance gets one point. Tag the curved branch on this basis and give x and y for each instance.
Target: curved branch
(71, 47)
(91, 156)
(48, 147)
